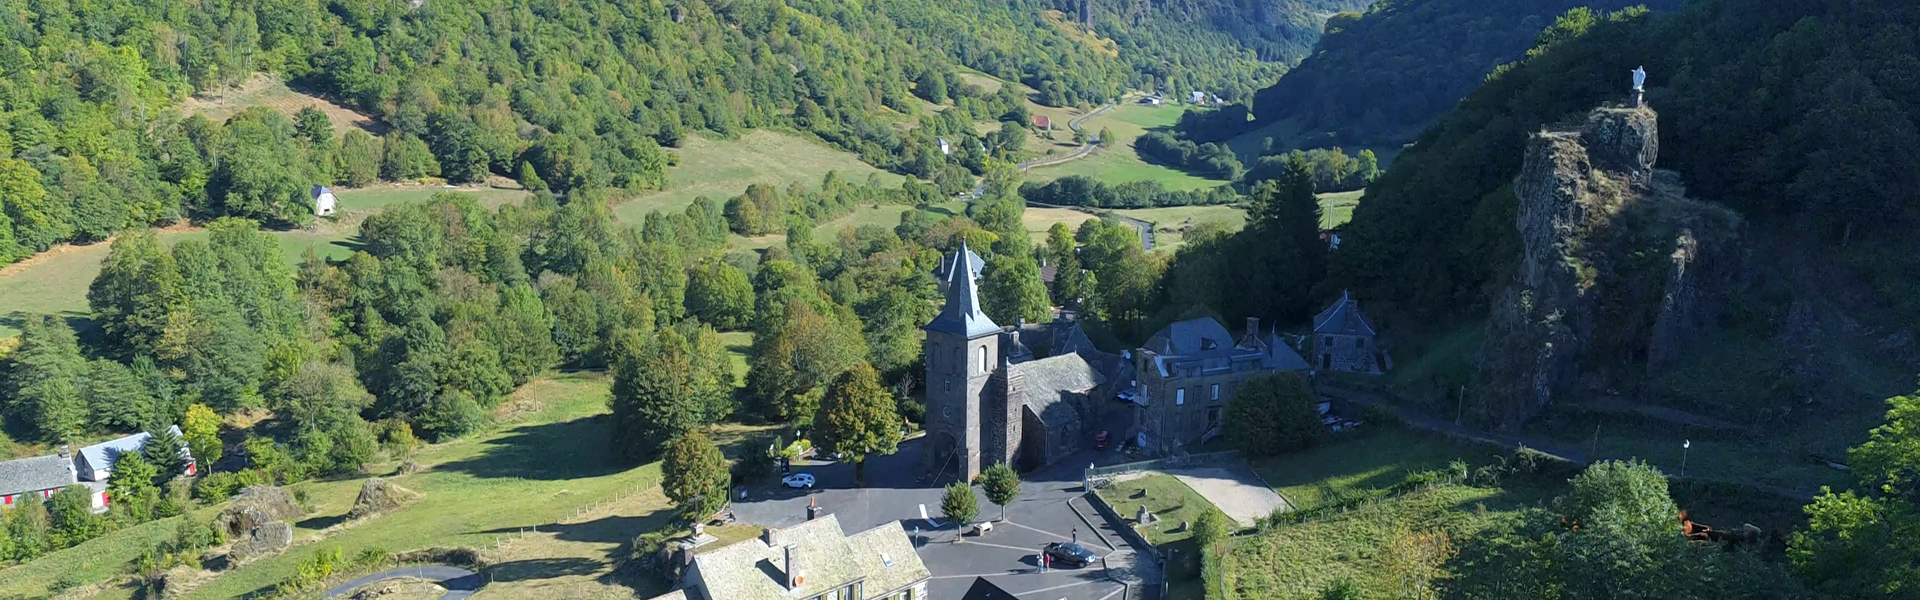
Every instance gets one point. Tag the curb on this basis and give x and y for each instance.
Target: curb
(1095, 528)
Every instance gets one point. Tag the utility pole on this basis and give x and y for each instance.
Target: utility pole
(1594, 450)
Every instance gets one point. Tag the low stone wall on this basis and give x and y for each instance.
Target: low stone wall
(1171, 462)
(1127, 532)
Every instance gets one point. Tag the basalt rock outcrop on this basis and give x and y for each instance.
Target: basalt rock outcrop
(259, 521)
(1620, 273)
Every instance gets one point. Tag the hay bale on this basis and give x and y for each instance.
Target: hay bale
(379, 495)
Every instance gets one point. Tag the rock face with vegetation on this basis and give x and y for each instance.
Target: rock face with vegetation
(1615, 262)
(260, 521)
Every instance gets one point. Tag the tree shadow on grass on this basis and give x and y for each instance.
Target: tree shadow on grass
(541, 568)
(616, 529)
(574, 449)
(319, 523)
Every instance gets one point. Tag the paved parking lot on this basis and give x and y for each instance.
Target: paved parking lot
(1007, 556)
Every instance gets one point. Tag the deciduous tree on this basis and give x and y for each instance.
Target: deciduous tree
(958, 503)
(1273, 414)
(694, 475)
(857, 418)
(1002, 485)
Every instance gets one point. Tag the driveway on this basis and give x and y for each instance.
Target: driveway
(1235, 490)
(1007, 556)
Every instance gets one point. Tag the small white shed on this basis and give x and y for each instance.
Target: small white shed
(323, 201)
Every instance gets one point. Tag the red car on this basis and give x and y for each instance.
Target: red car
(1100, 441)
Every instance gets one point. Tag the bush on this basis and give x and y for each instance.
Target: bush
(1274, 414)
(216, 487)
(1380, 416)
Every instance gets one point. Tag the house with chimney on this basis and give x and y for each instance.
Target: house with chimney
(814, 560)
(1188, 372)
(39, 478)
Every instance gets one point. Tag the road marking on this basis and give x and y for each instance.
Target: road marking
(1027, 550)
(1034, 529)
(930, 521)
(1068, 585)
(1110, 594)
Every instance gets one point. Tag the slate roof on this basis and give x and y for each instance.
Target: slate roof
(1047, 383)
(885, 554)
(35, 474)
(829, 559)
(986, 590)
(101, 456)
(1343, 318)
(961, 315)
(317, 190)
(1191, 336)
(944, 271)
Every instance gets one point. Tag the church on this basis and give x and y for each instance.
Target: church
(990, 399)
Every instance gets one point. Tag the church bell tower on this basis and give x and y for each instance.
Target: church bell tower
(961, 353)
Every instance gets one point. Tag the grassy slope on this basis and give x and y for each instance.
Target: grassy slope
(1336, 208)
(1120, 164)
(1377, 459)
(535, 472)
(55, 282)
(1171, 222)
(723, 168)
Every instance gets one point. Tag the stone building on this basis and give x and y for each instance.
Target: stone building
(1343, 340)
(991, 398)
(814, 560)
(1188, 372)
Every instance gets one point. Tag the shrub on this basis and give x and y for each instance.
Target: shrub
(215, 487)
(1274, 414)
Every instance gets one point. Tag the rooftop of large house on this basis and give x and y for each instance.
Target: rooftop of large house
(1204, 345)
(1046, 384)
(100, 457)
(827, 558)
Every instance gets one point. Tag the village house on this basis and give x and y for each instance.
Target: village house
(1188, 372)
(814, 560)
(34, 479)
(1343, 340)
(41, 477)
(1020, 395)
(1043, 122)
(943, 272)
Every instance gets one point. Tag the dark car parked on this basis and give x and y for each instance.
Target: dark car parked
(1069, 554)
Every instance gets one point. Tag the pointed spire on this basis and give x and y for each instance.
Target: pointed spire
(961, 315)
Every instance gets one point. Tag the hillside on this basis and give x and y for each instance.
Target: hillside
(1181, 45)
(111, 130)
(1820, 317)
(1378, 77)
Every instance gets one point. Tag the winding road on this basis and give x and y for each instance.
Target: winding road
(460, 583)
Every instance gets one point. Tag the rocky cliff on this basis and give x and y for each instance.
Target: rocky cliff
(1619, 274)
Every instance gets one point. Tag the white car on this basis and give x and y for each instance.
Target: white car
(798, 480)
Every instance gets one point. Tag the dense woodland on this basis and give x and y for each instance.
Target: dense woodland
(562, 95)
(1381, 76)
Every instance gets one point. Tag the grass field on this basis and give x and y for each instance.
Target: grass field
(723, 168)
(1304, 559)
(1120, 164)
(267, 90)
(1336, 208)
(737, 343)
(1173, 503)
(1040, 220)
(1375, 459)
(531, 473)
(1170, 224)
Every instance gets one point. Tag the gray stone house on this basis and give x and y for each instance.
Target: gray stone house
(1343, 340)
(1188, 372)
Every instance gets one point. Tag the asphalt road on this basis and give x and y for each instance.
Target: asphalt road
(460, 583)
(1007, 556)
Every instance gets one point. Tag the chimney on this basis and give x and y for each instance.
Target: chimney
(1253, 326)
(794, 578)
(813, 510)
(766, 536)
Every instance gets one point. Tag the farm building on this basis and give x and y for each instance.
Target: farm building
(323, 201)
(945, 148)
(95, 463)
(1197, 97)
(1043, 122)
(34, 479)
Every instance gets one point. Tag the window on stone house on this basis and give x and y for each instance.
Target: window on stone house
(1216, 392)
(985, 367)
(1327, 341)
(1360, 342)
(1180, 396)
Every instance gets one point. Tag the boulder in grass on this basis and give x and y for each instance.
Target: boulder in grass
(379, 495)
